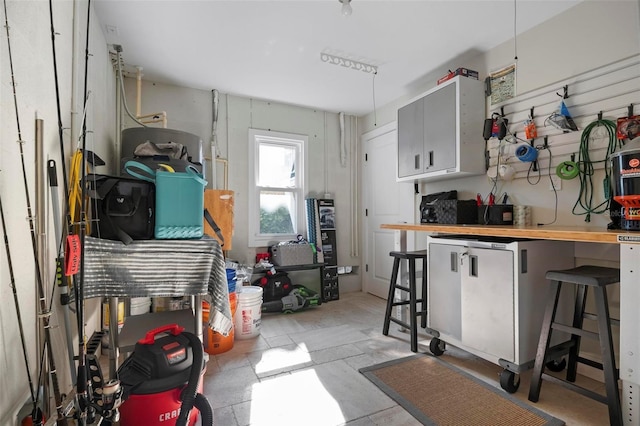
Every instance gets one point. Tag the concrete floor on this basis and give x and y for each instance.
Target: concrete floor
(302, 369)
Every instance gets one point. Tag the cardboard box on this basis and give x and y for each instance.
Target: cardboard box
(327, 212)
(460, 71)
(329, 241)
(330, 285)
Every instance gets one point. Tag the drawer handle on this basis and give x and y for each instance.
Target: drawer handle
(524, 265)
(473, 266)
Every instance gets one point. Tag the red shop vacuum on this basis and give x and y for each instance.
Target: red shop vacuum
(162, 380)
(625, 164)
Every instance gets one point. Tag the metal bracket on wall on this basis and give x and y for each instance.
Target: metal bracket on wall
(487, 86)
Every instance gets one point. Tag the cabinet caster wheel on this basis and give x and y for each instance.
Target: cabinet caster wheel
(436, 346)
(509, 381)
(556, 366)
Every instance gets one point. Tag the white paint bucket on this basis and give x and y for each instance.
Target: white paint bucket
(248, 314)
(140, 305)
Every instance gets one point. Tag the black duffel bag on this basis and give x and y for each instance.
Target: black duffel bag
(121, 208)
(274, 287)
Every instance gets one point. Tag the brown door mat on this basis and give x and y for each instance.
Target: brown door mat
(438, 393)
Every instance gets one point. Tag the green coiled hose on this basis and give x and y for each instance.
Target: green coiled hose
(586, 170)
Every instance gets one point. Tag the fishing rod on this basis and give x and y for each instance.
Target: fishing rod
(106, 400)
(61, 281)
(36, 413)
(84, 388)
(44, 313)
(55, 74)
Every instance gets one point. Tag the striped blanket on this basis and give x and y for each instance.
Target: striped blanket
(159, 268)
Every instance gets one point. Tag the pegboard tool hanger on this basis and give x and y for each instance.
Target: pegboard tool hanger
(534, 163)
(533, 140)
(565, 94)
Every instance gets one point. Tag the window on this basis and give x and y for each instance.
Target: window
(277, 181)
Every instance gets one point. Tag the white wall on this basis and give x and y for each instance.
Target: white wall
(190, 110)
(31, 51)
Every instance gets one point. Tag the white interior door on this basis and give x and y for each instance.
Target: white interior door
(384, 201)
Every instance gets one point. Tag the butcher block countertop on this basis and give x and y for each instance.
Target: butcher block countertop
(559, 233)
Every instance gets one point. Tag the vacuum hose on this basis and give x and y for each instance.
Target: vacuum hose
(190, 393)
(206, 413)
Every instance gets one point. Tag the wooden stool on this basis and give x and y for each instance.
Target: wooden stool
(583, 277)
(413, 301)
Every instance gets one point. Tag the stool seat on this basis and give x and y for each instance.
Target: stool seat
(587, 274)
(412, 325)
(418, 254)
(584, 277)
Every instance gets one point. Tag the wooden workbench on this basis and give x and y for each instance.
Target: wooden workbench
(558, 233)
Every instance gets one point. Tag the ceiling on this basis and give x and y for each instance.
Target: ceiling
(271, 50)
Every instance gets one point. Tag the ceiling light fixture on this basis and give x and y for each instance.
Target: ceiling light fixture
(348, 63)
(346, 7)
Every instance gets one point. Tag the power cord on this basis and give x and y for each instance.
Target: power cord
(586, 170)
(555, 191)
(529, 174)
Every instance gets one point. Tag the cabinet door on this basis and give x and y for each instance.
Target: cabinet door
(488, 302)
(440, 129)
(443, 283)
(411, 139)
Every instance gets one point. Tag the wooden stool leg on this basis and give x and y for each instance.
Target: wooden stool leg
(413, 320)
(545, 338)
(578, 321)
(390, 297)
(608, 360)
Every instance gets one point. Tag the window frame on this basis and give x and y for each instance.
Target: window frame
(299, 142)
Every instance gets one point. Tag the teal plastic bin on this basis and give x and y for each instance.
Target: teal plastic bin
(179, 200)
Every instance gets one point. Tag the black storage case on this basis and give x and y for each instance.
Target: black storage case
(457, 211)
(427, 205)
(497, 214)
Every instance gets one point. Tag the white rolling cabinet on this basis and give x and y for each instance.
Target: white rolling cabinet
(488, 296)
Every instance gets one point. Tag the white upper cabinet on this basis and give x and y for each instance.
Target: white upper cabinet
(440, 132)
